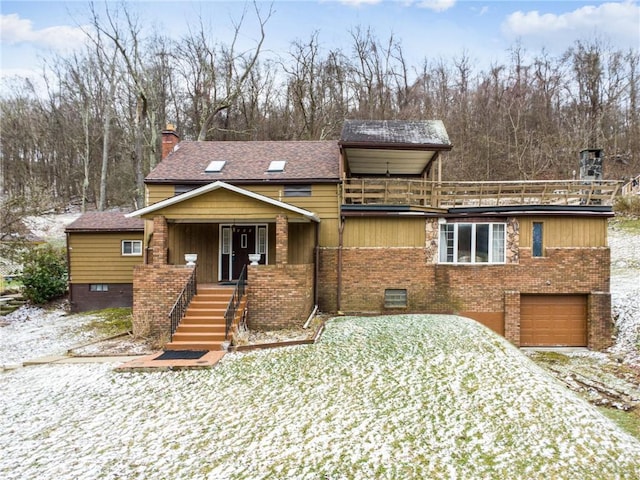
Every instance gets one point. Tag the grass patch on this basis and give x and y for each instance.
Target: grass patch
(111, 321)
(628, 421)
(553, 358)
(626, 224)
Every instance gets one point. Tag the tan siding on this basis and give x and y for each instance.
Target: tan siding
(324, 200)
(156, 193)
(223, 205)
(328, 235)
(196, 238)
(384, 232)
(301, 242)
(97, 258)
(565, 231)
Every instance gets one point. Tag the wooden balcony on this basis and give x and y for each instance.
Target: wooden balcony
(421, 193)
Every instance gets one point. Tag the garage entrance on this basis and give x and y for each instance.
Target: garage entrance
(553, 320)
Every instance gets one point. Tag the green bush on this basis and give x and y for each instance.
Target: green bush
(44, 274)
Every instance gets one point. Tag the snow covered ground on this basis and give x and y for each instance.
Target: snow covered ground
(417, 397)
(410, 397)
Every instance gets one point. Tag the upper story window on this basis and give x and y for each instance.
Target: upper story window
(472, 243)
(131, 247)
(297, 190)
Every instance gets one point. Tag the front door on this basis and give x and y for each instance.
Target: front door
(238, 241)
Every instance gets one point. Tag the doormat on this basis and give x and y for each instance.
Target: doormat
(182, 354)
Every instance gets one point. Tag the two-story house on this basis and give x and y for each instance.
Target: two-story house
(365, 224)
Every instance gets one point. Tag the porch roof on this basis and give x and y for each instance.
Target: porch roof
(226, 186)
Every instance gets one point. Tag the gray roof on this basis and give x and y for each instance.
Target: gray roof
(395, 132)
(247, 162)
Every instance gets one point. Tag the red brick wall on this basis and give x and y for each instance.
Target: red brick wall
(439, 288)
(155, 289)
(279, 296)
(160, 240)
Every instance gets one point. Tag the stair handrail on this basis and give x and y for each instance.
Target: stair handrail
(180, 307)
(235, 300)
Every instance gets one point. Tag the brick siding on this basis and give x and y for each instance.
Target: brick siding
(155, 289)
(279, 296)
(442, 288)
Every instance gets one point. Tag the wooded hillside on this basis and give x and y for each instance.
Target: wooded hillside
(95, 132)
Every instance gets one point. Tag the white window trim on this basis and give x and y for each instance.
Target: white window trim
(490, 261)
(133, 252)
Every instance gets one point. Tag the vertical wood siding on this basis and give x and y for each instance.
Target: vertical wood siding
(384, 232)
(565, 231)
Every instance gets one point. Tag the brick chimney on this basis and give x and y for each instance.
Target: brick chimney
(169, 140)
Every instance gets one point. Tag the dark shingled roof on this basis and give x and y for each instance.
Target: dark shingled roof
(105, 222)
(249, 161)
(395, 132)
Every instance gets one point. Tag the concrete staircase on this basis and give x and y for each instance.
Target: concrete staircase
(203, 325)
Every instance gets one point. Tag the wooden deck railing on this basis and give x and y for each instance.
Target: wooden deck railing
(399, 191)
(633, 187)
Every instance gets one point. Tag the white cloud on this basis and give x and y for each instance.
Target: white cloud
(357, 3)
(15, 30)
(619, 21)
(437, 5)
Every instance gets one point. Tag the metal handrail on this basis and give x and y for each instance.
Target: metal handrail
(236, 298)
(180, 307)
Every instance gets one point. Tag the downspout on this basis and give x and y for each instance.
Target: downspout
(316, 267)
(340, 240)
(69, 271)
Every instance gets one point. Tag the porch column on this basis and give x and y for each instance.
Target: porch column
(282, 240)
(160, 240)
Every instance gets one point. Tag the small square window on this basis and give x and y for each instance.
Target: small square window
(132, 247)
(395, 298)
(98, 287)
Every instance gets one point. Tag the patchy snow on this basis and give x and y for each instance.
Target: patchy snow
(50, 226)
(456, 401)
(370, 400)
(625, 293)
(32, 332)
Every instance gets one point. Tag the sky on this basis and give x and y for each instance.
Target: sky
(484, 31)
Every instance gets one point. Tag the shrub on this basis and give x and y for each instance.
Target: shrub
(44, 274)
(628, 205)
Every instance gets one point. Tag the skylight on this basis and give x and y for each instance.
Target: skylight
(215, 166)
(277, 166)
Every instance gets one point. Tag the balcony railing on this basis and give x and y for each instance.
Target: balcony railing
(421, 193)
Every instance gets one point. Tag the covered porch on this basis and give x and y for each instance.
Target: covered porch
(224, 230)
